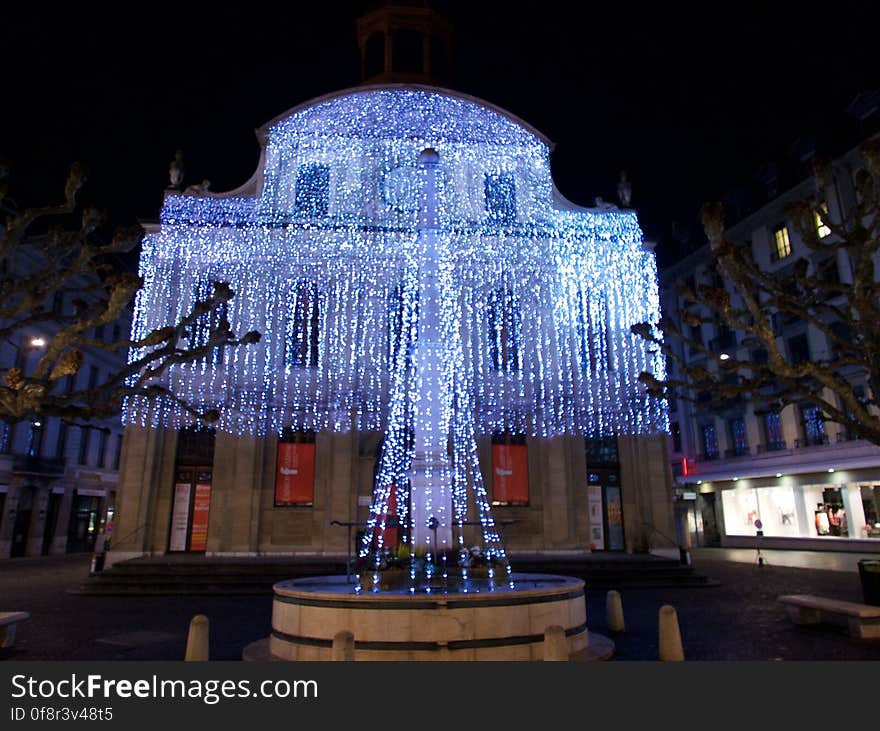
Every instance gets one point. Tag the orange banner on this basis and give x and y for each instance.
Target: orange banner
(198, 539)
(510, 474)
(295, 474)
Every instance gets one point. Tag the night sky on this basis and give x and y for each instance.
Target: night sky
(689, 103)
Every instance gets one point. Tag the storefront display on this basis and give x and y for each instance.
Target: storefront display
(803, 511)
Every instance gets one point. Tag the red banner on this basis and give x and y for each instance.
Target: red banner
(198, 539)
(510, 474)
(295, 474)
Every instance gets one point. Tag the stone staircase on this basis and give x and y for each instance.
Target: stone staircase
(177, 575)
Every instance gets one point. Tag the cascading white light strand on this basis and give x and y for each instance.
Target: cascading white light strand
(537, 298)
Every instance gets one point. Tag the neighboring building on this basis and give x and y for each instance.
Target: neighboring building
(811, 484)
(57, 480)
(319, 247)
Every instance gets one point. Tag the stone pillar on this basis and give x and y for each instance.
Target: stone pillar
(339, 487)
(238, 473)
(557, 514)
(37, 528)
(59, 541)
(7, 520)
(144, 466)
(646, 486)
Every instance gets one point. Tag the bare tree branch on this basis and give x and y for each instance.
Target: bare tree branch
(36, 268)
(751, 302)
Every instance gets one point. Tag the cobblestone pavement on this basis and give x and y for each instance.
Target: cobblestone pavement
(738, 620)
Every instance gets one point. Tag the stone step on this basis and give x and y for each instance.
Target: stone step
(252, 576)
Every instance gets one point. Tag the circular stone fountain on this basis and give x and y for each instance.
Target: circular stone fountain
(477, 621)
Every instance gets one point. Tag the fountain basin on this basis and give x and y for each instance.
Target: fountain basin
(484, 622)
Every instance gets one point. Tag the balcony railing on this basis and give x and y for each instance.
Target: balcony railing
(26, 464)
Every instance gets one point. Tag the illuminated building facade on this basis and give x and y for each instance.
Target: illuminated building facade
(533, 298)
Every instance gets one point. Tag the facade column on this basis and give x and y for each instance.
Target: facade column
(143, 468)
(38, 520)
(58, 547)
(7, 522)
(646, 487)
(237, 474)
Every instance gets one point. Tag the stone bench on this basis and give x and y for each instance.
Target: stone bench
(863, 620)
(8, 622)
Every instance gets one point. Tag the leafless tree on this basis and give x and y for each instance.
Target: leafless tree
(74, 261)
(845, 309)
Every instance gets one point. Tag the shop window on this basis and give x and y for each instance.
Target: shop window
(510, 469)
(813, 425)
(504, 331)
(773, 432)
(710, 441)
(295, 469)
(312, 194)
(500, 190)
(870, 495)
(829, 516)
(303, 327)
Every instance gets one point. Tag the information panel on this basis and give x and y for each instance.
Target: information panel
(180, 517)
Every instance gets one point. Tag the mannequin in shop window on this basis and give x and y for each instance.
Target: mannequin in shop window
(834, 520)
(823, 525)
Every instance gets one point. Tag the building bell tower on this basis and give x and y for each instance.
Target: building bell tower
(404, 42)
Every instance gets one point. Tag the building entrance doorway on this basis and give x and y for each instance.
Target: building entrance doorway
(190, 510)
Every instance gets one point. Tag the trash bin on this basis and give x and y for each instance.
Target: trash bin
(869, 573)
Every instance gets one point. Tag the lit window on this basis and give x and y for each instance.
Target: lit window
(312, 192)
(505, 331)
(398, 321)
(200, 331)
(814, 426)
(773, 430)
(781, 243)
(301, 346)
(500, 196)
(710, 442)
(821, 229)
